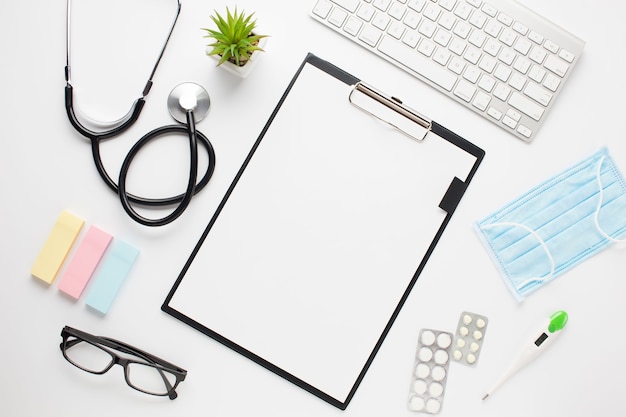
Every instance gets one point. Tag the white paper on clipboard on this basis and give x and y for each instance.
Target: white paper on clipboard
(319, 239)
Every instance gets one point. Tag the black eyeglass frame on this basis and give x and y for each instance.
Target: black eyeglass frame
(148, 359)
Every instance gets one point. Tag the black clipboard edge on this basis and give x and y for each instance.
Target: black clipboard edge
(436, 129)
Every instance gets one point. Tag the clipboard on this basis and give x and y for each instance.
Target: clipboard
(324, 231)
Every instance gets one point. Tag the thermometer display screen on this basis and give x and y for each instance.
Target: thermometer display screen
(541, 339)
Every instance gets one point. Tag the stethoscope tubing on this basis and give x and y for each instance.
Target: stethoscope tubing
(192, 189)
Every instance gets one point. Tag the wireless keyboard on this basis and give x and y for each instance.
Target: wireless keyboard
(498, 58)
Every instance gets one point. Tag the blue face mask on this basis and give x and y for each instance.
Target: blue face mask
(558, 224)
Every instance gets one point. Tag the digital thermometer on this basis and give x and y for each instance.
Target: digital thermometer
(545, 336)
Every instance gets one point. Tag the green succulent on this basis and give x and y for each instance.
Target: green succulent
(234, 40)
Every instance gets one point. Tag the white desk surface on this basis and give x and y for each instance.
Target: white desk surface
(45, 167)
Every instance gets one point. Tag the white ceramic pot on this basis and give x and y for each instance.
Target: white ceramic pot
(241, 71)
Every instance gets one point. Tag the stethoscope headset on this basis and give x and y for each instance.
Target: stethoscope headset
(187, 104)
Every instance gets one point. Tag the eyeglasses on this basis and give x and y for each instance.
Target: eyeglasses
(145, 372)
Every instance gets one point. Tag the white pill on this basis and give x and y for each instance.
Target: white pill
(478, 335)
(463, 331)
(439, 373)
(457, 355)
(433, 406)
(425, 354)
(471, 358)
(428, 338)
(419, 386)
(422, 370)
(435, 389)
(460, 343)
(467, 319)
(474, 347)
(444, 340)
(441, 357)
(417, 403)
(480, 323)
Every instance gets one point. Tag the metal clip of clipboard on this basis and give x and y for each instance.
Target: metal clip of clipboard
(387, 109)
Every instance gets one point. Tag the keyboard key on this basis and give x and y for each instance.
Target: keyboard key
(567, 55)
(478, 19)
(536, 73)
(412, 19)
(517, 81)
(457, 65)
(447, 21)
(411, 38)
(556, 65)
(447, 4)
(520, 28)
(471, 74)
(381, 21)
(551, 46)
(505, 19)
(538, 54)
(337, 17)
(538, 94)
(465, 91)
(370, 35)
(508, 37)
(396, 29)
(366, 12)
(535, 37)
(525, 131)
(521, 64)
(419, 63)
(432, 12)
(417, 5)
(493, 28)
(352, 26)
(509, 122)
(481, 101)
(381, 4)
(426, 47)
(522, 46)
(486, 83)
(551, 82)
(397, 11)
(441, 56)
(495, 113)
(349, 5)
(490, 9)
(526, 106)
(322, 8)
(463, 10)
(502, 92)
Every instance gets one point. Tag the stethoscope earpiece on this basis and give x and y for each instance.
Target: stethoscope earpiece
(187, 97)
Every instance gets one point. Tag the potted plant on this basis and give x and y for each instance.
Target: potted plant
(237, 44)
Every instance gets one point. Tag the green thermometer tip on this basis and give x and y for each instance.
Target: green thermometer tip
(557, 321)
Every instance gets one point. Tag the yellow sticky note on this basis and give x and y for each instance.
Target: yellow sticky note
(57, 247)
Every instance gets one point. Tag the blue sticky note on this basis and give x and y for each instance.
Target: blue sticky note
(112, 274)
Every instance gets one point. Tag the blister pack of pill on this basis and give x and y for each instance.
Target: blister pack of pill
(430, 371)
(469, 338)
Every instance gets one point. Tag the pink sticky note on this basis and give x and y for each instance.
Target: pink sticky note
(84, 262)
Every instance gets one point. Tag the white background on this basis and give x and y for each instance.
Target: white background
(46, 167)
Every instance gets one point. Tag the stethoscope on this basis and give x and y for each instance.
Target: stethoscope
(188, 103)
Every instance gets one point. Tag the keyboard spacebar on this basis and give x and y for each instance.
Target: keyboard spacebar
(415, 61)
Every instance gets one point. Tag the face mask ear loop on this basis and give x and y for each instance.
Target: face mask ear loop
(599, 207)
(541, 242)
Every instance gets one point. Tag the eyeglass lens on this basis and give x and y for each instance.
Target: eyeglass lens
(88, 357)
(144, 377)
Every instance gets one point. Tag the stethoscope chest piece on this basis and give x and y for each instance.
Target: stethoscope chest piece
(188, 97)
